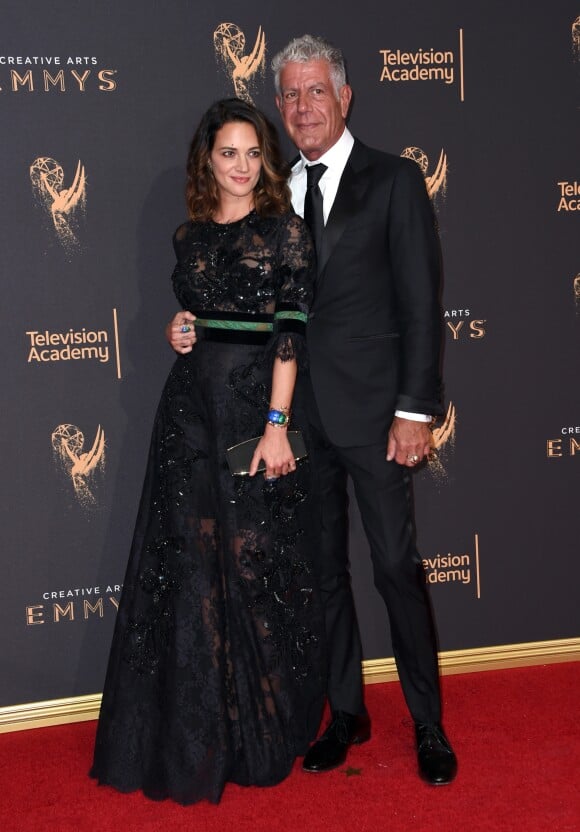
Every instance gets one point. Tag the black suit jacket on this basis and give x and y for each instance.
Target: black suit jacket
(374, 334)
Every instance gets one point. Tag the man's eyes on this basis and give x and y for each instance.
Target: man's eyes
(315, 92)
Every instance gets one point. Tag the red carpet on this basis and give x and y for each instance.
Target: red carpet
(516, 733)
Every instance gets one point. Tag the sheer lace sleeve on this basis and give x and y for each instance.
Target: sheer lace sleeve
(180, 272)
(296, 265)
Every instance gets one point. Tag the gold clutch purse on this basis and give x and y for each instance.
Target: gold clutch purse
(240, 456)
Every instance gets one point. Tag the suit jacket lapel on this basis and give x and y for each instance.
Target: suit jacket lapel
(350, 194)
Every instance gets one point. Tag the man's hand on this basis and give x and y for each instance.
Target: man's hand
(180, 332)
(409, 442)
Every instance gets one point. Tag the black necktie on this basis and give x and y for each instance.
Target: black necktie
(313, 214)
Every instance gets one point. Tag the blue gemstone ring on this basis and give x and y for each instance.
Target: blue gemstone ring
(186, 328)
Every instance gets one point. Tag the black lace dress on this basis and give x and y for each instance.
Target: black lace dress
(216, 669)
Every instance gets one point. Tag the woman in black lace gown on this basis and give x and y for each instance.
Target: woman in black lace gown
(216, 670)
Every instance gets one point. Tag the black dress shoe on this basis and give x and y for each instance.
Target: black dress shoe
(329, 750)
(437, 762)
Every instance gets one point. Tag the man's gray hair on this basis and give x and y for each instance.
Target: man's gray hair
(311, 48)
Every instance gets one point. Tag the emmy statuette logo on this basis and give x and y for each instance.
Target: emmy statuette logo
(576, 38)
(62, 204)
(435, 182)
(576, 288)
(446, 431)
(442, 436)
(79, 466)
(230, 42)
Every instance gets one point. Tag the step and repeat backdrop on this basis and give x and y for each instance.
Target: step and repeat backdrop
(98, 103)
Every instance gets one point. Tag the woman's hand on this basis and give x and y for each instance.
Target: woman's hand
(180, 332)
(276, 452)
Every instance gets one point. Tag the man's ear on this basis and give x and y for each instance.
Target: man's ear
(345, 97)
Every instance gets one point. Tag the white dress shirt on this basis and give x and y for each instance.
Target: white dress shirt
(335, 160)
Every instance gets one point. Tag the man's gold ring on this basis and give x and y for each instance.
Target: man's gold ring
(413, 458)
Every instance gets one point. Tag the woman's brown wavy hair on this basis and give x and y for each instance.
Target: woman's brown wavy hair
(271, 195)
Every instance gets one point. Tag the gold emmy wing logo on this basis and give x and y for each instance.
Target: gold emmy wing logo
(229, 42)
(79, 465)
(437, 181)
(576, 285)
(576, 38)
(442, 435)
(62, 204)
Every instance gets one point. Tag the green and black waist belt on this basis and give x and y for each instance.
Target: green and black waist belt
(245, 328)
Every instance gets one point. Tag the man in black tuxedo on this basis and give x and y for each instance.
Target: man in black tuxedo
(374, 343)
